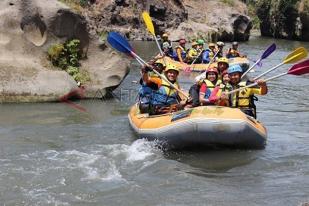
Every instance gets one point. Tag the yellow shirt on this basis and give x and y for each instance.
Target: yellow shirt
(241, 99)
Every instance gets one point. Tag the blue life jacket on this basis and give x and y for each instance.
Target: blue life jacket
(165, 95)
(206, 56)
(183, 53)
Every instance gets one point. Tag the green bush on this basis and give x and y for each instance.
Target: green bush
(67, 56)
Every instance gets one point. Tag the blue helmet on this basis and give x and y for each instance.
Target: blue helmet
(234, 68)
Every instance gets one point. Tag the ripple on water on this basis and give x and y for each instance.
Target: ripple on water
(53, 176)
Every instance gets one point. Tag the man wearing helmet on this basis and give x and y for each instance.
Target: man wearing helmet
(208, 85)
(180, 51)
(220, 46)
(192, 53)
(233, 52)
(223, 65)
(146, 90)
(165, 99)
(166, 45)
(209, 53)
(244, 99)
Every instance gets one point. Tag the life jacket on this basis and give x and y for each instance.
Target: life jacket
(183, 53)
(242, 99)
(232, 53)
(165, 95)
(192, 53)
(207, 56)
(210, 87)
(224, 88)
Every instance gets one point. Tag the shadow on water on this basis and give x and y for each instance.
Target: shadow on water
(213, 161)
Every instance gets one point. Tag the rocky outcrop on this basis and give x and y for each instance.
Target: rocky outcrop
(27, 29)
(216, 21)
(284, 19)
(212, 20)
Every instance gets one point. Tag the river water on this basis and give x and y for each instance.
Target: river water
(53, 154)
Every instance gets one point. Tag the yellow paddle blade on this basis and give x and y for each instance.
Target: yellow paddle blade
(297, 55)
(148, 22)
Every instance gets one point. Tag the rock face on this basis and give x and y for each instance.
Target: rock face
(212, 20)
(27, 29)
(284, 19)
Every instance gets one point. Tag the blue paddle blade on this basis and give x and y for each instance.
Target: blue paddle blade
(119, 43)
(268, 51)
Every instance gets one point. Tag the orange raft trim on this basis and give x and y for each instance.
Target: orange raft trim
(243, 62)
(200, 126)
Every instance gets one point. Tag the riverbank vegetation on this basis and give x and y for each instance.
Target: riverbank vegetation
(67, 56)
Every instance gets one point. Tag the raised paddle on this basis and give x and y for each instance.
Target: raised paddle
(297, 69)
(297, 55)
(265, 54)
(150, 28)
(119, 43)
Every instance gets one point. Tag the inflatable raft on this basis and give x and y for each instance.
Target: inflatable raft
(243, 62)
(202, 126)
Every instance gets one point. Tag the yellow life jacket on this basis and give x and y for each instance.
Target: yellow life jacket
(192, 53)
(233, 53)
(241, 99)
(210, 87)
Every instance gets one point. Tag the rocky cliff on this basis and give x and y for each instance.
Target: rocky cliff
(288, 19)
(27, 29)
(212, 20)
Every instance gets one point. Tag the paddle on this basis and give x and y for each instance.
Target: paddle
(295, 56)
(150, 27)
(265, 54)
(297, 69)
(119, 43)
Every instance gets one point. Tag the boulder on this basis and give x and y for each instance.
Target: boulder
(284, 19)
(213, 20)
(27, 29)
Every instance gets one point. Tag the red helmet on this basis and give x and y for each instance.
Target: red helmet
(212, 69)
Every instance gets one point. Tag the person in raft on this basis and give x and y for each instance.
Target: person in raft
(146, 90)
(223, 65)
(244, 99)
(224, 86)
(208, 85)
(165, 99)
(180, 52)
(192, 53)
(233, 52)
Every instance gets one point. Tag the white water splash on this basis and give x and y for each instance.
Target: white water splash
(140, 150)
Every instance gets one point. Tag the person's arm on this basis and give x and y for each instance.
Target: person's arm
(215, 95)
(178, 51)
(263, 86)
(202, 93)
(260, 89)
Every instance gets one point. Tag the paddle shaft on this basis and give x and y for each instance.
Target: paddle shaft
(162, 76)
(243, 75)
(264, 73)
(254, 84)
(196, 58)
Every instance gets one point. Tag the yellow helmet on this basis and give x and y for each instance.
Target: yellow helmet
(194, 43)
(160, 61)
(171, 67)
(223, 60)
(164, 35)
(211, 45)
